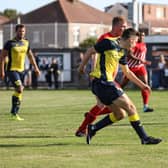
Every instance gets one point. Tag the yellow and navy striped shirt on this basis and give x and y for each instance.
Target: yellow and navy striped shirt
(17, 51)
(109, 55)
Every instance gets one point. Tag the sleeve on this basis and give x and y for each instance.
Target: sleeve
(100, 38)
(123, 59)
(135, 50)
(103, 45)
(7, 46)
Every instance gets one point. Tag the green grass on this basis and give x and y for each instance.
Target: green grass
(46, 138)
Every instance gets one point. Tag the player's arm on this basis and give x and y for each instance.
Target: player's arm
(132, 77)
(33, 62)
(86, 58)
(131, 55)
(94, 61)
(3, 55)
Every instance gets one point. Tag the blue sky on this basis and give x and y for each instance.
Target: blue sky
(29, 5)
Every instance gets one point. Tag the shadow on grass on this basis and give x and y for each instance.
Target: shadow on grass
(32, 145)
(61, 144)
(144, 123)
(34, 137)
(70, 144)
(39, 144)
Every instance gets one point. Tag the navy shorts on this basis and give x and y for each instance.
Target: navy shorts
(107, 92)
(15, 76)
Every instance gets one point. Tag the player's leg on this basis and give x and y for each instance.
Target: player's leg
(104, 110)
(143, 76)
(107, 110)
(106, 94)
(124, 81)
(16, 79)
(125, 103)
(117, 115)
(90, 117)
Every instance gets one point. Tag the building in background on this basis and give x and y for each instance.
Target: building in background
(3, 20)
(56, 30)
(61, 24)
(153, 18)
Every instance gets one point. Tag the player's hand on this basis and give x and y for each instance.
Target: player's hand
(37, 71)
(147, 87)
(81, 69)
(147, 62)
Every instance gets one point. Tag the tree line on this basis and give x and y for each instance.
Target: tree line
(10, 13)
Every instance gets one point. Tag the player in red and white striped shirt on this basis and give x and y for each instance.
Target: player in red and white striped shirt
(137, 63)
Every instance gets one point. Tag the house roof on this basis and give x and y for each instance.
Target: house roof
(64, 11)
(3, 19)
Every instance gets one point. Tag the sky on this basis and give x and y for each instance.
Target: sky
(29, 5)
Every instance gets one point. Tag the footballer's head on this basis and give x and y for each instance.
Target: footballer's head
(20, 30)
(129, 38)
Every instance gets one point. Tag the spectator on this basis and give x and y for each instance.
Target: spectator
(34, 77)
(52, 73)
(44, 67)
(48, 75)
(27, 74)
(166, 74)
(160, 69)
(55, 71)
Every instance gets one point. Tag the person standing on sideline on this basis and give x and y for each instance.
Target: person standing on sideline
(166, 74)
(55, 71)
(34, 77)
(110, 54)
(160, 70)
(137, 64)
(119, 24)
(16, 51)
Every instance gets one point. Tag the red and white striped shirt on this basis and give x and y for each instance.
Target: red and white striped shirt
(138, 51)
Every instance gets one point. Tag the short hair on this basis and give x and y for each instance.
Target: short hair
(129, 32)
(19, 26)
(141, 33)
(117, 20)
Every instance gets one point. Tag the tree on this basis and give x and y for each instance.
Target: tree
(88, 42)
(10, 13)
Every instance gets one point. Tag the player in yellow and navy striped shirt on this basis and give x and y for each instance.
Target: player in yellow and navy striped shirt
(16, 50)
(119, 24)
(110, 54)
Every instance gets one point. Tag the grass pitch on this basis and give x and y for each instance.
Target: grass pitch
(46, 138)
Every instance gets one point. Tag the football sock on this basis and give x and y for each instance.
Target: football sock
(145, 96)
(107, 120)
(95, 110)
(104, 110)
(136, 124)
(88, 120)
(16, 101)
(90, 117)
